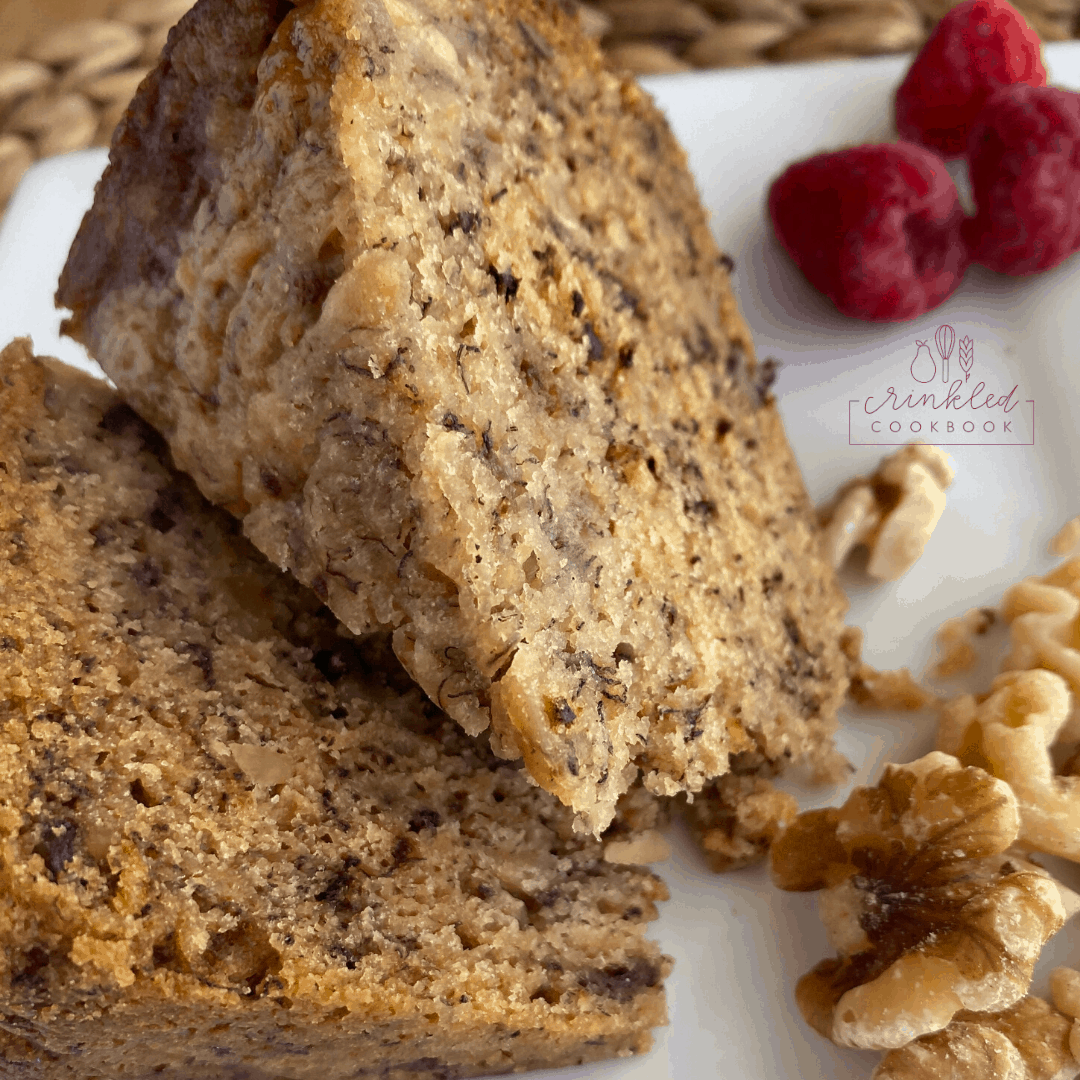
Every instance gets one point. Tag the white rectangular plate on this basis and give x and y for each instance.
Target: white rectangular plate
(739, 945)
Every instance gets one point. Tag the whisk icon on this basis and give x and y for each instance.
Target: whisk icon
(945, 339)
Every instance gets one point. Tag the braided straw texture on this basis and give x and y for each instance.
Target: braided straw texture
(666, 36)
(68, 88)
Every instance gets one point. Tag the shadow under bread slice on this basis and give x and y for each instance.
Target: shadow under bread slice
(236, 844)
(426, 296)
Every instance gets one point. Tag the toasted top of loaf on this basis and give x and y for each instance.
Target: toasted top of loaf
(208, 796)
(426, 296)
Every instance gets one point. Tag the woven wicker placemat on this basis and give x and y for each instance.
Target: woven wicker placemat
(68, 87)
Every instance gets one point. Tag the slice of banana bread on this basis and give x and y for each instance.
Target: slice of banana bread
(426, 296)
(235, 844)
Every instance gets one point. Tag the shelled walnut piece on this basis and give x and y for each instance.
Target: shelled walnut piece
(1010, 734)
(235, 843)
(1028, 1041)
(1067, 539)
(891, 689)
(1043, 614)
(1065, 992)
(893, 512)
(955, 641)
(928, 912)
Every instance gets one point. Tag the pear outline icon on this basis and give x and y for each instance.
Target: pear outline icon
(919, 364)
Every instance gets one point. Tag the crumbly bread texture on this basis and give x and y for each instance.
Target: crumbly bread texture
(427, 297)
(736, 819)
(235, 845)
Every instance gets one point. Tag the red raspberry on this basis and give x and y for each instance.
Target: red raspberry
(1024, 162)
(875, 228)
(975, 48)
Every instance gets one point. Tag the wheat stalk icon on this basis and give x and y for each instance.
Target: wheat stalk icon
(966, 355)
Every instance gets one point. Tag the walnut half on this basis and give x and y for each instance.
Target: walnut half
(927, 912)
(893, 512)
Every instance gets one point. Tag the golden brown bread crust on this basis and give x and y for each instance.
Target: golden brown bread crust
(448, 331)
(169, 119)
(236, 845)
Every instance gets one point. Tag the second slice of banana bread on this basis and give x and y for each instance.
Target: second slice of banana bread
(235, 845)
